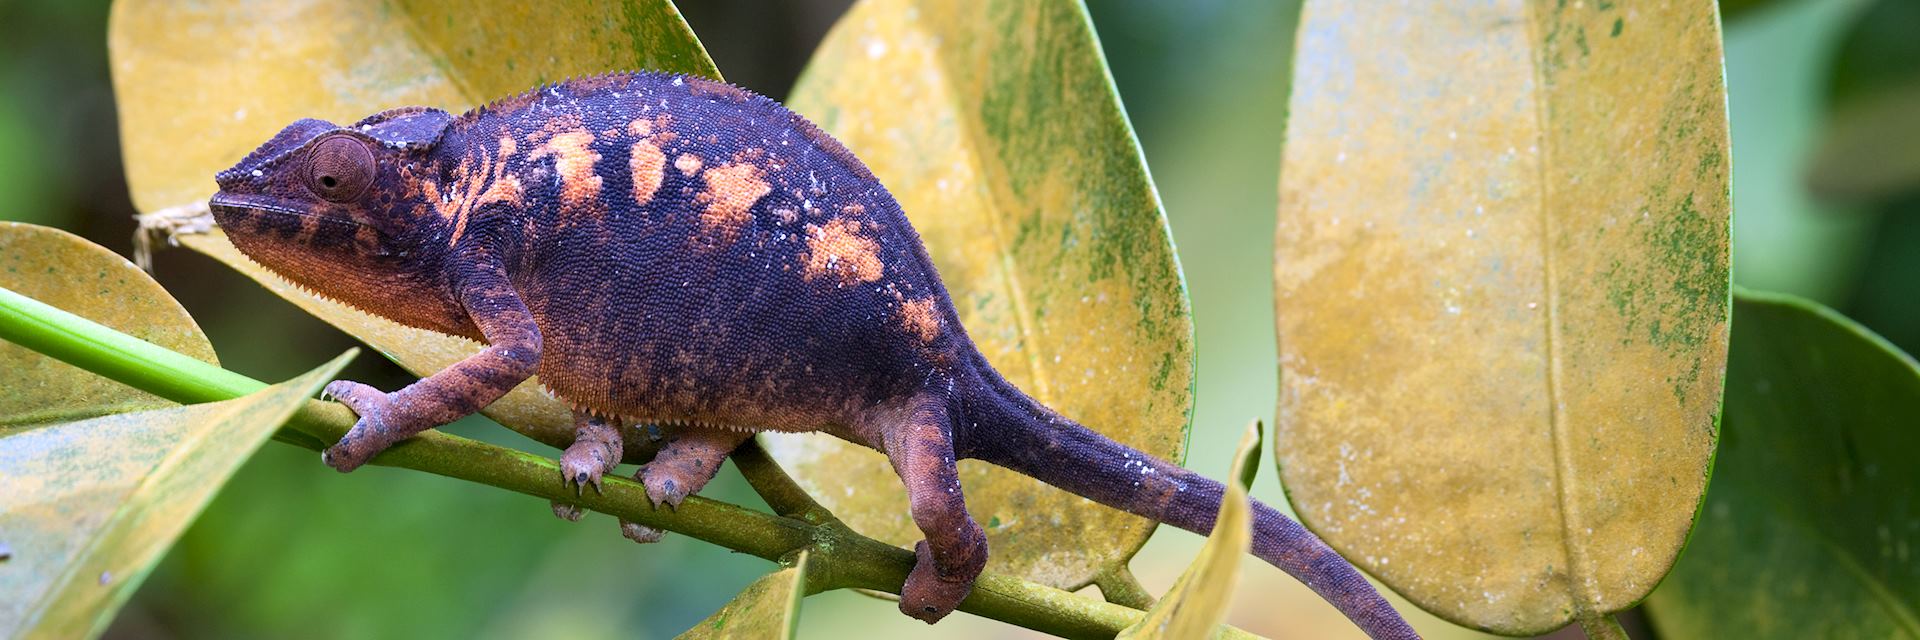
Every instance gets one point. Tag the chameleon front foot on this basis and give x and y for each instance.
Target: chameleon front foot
(369, 436)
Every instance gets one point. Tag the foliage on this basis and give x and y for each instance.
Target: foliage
(1813, 521)
(1197, 604)
(1503, 314)
(997, 128)
(1479, 433)
(768, 608)
(97, 479)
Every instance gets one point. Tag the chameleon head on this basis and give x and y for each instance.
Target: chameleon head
(333, 209)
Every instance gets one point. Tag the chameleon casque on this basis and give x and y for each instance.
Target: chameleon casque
(676, 251)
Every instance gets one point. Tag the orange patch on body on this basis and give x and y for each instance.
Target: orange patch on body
(920, 318)
(688, 163)
(640, 128)
(731, 193)
(473, 188)
(573, 161)
(839, 250)
(505, 190)
(649, 166)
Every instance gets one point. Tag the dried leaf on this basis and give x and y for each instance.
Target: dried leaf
(1197, 604)
(80, 277)
(1812, 525)
(769, 608)
(1502, 297)
(89, 507)
(996, 126)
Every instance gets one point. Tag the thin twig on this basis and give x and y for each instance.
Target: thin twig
(781, 492)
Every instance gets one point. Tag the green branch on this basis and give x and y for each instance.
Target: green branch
(842, 558)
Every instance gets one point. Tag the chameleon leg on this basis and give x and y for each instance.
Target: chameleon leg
(596, 450)
(689, 459)
(512, 353)
(921, 449)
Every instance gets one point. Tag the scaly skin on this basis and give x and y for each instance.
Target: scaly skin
(675, 251)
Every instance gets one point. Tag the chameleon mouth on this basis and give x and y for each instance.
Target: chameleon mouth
(229, 208)
(229, 205)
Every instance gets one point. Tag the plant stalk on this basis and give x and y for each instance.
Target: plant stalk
(1600, 626)
(1119, 586)
(844, 558)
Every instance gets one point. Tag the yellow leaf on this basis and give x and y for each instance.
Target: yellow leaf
(82, 278)
(1502, 294)
(199, 85)
(995, 125)
(89, 507)
(1197, 605)
(768, 609)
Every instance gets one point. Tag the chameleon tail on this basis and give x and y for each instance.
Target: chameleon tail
(1005, 427)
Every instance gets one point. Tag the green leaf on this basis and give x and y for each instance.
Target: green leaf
(1737, 9)
(769, 608)
(198, 86)
(1502, 293)
(997, 127)
(1869, 149)
(1197, 604)
(1877, 51)
(89, 507)
(1812, 525)
(68, 272)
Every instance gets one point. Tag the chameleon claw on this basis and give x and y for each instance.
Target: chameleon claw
(662, 488)
(595, 451)
(640, 533)
(567, 512)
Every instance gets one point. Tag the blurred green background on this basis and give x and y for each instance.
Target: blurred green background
(291, 549)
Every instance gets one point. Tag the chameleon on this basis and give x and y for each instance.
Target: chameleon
(678, 252)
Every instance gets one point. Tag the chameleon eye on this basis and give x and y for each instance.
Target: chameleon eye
(340, 168)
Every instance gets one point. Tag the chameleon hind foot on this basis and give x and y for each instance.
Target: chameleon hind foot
(596, 450)
(688, 461)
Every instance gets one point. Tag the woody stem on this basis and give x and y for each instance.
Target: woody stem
(844, 558)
